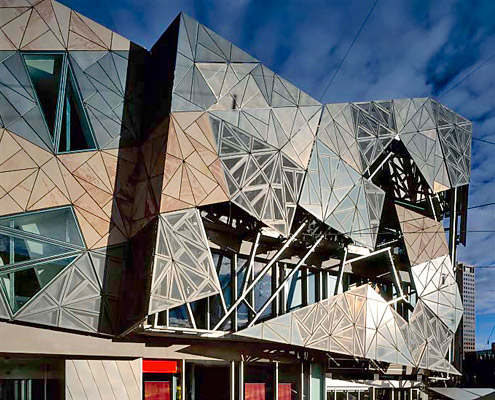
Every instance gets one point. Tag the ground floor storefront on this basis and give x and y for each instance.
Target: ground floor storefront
(41, 364)
(39, 378)
(338, 389)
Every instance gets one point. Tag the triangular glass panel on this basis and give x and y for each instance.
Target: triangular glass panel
(27, 282)
(59, 224)
(75, 132)
(26, 249)
(45, 71)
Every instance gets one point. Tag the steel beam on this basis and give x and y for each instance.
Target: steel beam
(260, 275)
(280, 287)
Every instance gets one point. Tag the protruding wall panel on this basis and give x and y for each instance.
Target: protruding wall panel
(103, 379)
(361, 323)
(183, 269)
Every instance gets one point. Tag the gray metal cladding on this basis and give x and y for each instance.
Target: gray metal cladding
(103, 379)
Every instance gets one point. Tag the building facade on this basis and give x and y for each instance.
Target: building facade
(182, 222)
(479, 367)
(468, 301)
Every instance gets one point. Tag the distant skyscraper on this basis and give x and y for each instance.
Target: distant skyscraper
(469, 321)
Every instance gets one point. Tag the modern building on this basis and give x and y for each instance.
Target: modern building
(465, 337)
(479, 368)
(467, 274)
(184, 223)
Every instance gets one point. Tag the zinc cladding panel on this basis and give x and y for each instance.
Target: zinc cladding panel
(105, 380)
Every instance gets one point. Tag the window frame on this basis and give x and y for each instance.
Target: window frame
(67, 77)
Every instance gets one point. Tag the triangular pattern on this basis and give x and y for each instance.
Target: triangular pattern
(183, 269)
(212, 74)
(19, 111)
(290, 125)
(240, 133)
(386, 332)
(338, 195)
(361, 323)
(98, 58)
(35, 179)
(424, 237)
(438, 140)
(358, 323)
(44, 243)
(201, 44)
(456, 144)
(193, 173)
(95, 173)
(260, 179)
(72, 300)
(49, 25)
(357, 133)
(419, 135)
(101, 76)
(429, 340)
(437, 288)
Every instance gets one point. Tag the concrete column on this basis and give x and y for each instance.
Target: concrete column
(301, 392)
(232, 380)
(193, 382)
(183, 380)
(241, 380)
(275, 382)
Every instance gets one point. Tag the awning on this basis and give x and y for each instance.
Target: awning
(338, 384)
(462, 393)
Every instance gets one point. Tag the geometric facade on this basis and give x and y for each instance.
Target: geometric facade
(438, 140)
(183, 269)
(133, 182)
(213, 74)
(72, 300)
(35, 179)
(358, 323)
(361, 323)
(193, 173)
(430, 340)
(261, 179)
(438, 290)
(424, 237)
(358, 133)
(35, 248)
(338, 195)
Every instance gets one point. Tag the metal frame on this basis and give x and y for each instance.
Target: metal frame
(67, 77)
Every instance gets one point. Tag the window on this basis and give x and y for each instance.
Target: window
(295, 291)
(60, 101)
(34, 248)
(75, 133)
(45, 71)
(263, 289)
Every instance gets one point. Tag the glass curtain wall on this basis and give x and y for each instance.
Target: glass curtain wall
(307, 285)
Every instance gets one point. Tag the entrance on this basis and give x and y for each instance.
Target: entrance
(208, 381)
(161, 380)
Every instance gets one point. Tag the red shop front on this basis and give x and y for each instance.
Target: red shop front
(161, 380)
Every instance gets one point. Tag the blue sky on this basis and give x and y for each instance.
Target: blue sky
(408, 48)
